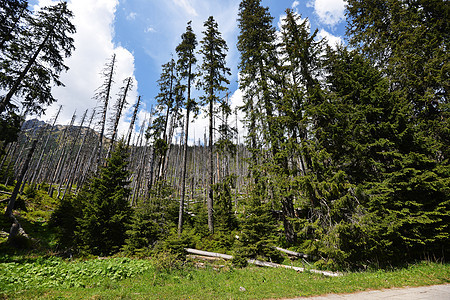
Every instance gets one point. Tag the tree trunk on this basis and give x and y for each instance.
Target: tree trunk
(183, 177)
(105, 109)
(38, 166)
(12, 199)
(120, 107)
(133, 120)
(59, 166)
(211, 167)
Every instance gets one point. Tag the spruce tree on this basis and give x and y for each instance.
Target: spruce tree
(353, 136)
(12, 14)
(261, 83)
(215, 74)
(168, 109)
(410, 48)
(256, 43)
(35, 63)
(106, 212)
(186, 62)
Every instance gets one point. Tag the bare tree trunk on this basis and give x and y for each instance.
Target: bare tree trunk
(75, 165)
(38, 166)
(59, 166)
(210, 200)
(107, 92)
(12, 199)
(120, 105)
(183, 176)
(68, 169)
(133, 120)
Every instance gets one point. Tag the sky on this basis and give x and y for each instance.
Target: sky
(144, 34)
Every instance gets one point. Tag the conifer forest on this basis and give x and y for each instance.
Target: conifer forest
(343, 155)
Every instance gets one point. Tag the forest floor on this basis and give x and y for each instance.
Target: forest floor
(38, 273)
(23, 277)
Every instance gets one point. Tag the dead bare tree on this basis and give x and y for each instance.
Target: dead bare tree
(38, 168)
(118, 107)
(133, 121)
(103, 95)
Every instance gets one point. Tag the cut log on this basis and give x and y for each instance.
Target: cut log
(261, 263)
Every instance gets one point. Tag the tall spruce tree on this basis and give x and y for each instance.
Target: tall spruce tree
(186, 62)
(12, 14)
(410, 47)
(214, 50)
(167, 109)
(353, 134)
(38, 59)
(256, 43)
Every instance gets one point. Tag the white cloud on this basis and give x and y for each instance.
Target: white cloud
(295, 4)
(94, 47)
(186, 6)
(330, 12)
(150, 29)
(332, 40)
(131, 16)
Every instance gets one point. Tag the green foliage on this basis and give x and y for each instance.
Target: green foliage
(9, 132)
(225, 220)
(96, 220)
(412, 189)
(127, 278)
(239, 261)
(30, 192)
(144, 231)
(34, 59)
(57, 273)
(64, 221)
(257, 234)
(168, 261)
(214, 50)
(152, 221)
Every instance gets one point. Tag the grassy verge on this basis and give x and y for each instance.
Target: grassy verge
(122, 278)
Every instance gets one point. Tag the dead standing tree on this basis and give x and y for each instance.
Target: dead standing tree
(119, 106)
(103, 95)
(68, 167)
(133, 121)
(64, 140)
(38, 168)
(76, 165)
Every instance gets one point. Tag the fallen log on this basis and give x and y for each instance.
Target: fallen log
(292, 253)
(206, 253)
(202, 257)
(261, 263)
(298, 269)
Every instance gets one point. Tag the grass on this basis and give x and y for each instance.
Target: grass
(36, 274)
(124, 278)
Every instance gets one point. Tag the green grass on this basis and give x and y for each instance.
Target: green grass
(35, 274)
(124, 278)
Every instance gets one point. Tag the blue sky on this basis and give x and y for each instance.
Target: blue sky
(144, 34)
